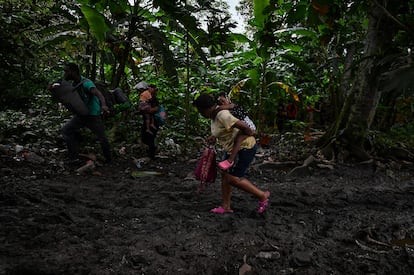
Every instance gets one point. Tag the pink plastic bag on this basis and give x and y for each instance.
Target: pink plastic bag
(206, 170)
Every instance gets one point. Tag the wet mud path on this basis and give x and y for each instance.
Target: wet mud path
(354, 219)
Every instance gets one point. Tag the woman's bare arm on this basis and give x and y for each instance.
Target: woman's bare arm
(244, 128)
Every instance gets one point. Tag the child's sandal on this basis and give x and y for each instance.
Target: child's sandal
(225, 164)
(221, 210)
(263, 204)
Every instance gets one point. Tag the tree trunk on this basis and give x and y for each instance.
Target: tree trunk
(353, 124)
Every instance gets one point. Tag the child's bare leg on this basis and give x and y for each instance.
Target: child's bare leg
(226, 164)
(148, 124)
(236, 146)
(152, 122)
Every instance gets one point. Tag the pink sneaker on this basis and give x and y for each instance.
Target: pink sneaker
(225, 164)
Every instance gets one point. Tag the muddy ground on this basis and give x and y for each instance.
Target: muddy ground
(352, 219)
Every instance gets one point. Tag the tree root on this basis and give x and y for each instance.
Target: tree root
(369, 249)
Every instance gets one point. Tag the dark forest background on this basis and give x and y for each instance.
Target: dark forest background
(352, 60)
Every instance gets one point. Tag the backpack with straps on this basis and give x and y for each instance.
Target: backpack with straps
(63, 92)
(161, 115)
(116, 100)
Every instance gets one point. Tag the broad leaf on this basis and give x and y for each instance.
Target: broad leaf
(96, 21)
(259, 13)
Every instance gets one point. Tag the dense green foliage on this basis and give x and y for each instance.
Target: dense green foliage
(311, 49)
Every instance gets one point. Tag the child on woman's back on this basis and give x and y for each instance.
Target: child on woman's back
(237, 111)
(145, 104)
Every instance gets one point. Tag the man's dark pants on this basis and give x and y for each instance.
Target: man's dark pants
(72, 138)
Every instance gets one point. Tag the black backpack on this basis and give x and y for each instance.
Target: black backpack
(116, 99)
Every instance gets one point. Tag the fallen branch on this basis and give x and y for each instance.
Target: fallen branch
(369, 249)
(371, 240)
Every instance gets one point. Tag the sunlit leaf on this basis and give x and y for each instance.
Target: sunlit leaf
(259, 12)
(292, 47)
(286, 88)
(235, 90)
(96, 21)
(240, 38)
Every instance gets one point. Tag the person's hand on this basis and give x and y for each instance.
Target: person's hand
(52, 86)
(145, 109)
(105, 110)
(211, 140)
(248, 131)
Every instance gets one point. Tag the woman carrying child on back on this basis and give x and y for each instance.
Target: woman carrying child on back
(225, 128)
(145, 100)
(237, 111)
(149, 127)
